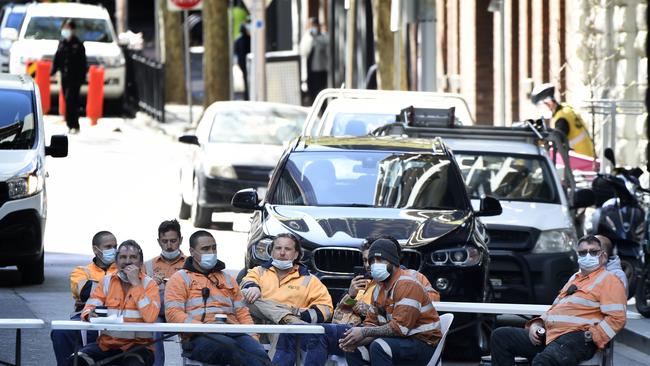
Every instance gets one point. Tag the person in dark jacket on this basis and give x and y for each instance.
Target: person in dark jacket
(70, 60)
(242, 48)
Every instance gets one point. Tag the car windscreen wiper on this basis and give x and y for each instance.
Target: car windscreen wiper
(348, 205)
(11, 130)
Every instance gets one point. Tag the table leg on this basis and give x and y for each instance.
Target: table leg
(18, 341)
(297, 349)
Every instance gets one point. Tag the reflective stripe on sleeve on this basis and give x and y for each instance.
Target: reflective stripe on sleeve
(613, 307)
(95, 302)
(80, 285)
(132, 314)
(305, 281)
(313, 315)
(211, 309)
(571, 319)
(149, 267)
(598, 280)
(385, 347)
(239, 304)
(174, 304)
(106, 284)
(198, 301)
(409, 302)
(228, 281)
(144, 302)
(580, 301)
(381, 319)
(186, 277)
(577, 139)
(422, 328)
(607, 329)
(426, 308)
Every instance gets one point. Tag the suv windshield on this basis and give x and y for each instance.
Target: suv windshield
(507, 177)
(250, 125)
(370, 179)
(93, 30)
(17, 130)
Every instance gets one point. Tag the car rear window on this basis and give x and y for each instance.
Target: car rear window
(15, 20)
(17, 120)
(370, 179)
(88, 30)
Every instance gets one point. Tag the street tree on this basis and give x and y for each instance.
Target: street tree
(384, 48)
(216, 59)
(173, 55)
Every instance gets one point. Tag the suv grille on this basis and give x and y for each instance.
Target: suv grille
(411, 259)
(510, 239)
(253, 173)
(336, 260)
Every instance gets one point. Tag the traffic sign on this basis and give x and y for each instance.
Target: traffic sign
(179, 5)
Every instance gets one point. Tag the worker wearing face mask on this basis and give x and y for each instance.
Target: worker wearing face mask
(83, 281)
(585, 316)
(201, 293)
(70, 60)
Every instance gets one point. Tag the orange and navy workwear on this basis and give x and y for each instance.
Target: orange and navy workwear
(404, 304)
(84, 279)
(595, 302)
(298, 289)
(163, 268)
(140, 304)
(186, 301)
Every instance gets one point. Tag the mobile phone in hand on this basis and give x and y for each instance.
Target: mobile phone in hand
(359, 271)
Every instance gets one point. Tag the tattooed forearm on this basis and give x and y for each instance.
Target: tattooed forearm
(377, 332)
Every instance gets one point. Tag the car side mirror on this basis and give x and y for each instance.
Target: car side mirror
(246, 199)
(189, 139)
(9, 34)
(490, 206)
(583, 198)
(58, 146)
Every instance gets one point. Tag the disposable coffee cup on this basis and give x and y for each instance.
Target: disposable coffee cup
(221, 318)
(101, 311)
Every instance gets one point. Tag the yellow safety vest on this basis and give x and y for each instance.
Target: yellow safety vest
(579, 139)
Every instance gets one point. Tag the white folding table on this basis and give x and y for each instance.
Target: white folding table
(19, 324)
(496, 308)
(191, 328)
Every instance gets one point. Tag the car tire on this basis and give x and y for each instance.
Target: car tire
(33, 272)
(201, 216)
(185, 211)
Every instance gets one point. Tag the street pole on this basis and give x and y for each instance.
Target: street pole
(258, 81)
(188, 76)
(502, 63)
(428, 32)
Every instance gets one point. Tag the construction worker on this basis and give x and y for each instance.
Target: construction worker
(350, 312)
(162, 267)
(83, 281)
(200, 293)
(403, 327)
(564, 118)
(613, 263)
(585, 316)
(282, 291)
(132, 295)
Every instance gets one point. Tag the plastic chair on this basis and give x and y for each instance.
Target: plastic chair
(445, 324)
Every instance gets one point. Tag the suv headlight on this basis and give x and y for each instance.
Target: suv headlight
(112, 61)
(261, 249)
(463, 257)
(25, 186)
(222, 171)
(555, 241)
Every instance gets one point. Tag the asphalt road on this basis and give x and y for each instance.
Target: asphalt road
(122, 179)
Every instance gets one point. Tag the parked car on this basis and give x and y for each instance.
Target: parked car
(39, 36)
(23, 193)
(11, 20)
(333, 192)
(238, 144)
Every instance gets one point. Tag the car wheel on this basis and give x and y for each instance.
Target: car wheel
(185, 210)
(33, 272)
(201, 216)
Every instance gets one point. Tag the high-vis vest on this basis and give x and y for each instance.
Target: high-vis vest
(597, 305)
(579, 139)
(139, 305)
(81, 276)
(405, 305)
(298, 289)
(161, 267)
(185, 303)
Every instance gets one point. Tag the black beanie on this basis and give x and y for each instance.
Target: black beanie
(385, 249)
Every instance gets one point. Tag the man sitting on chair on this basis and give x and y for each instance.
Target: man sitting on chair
(403, 326)
(585, 316)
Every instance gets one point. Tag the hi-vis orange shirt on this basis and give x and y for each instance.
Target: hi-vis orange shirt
(161, 267)
(598, 305)
(184, 301)
(366, 295)
(84, 279)
(139, 305)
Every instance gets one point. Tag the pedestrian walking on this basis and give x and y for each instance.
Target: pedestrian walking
(314, 46)
(241, 49)
(70, 60)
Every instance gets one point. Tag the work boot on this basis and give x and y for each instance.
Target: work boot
(292, 319)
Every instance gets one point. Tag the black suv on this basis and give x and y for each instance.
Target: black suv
(335, 191)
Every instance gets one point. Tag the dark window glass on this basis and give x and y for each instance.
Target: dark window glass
(17, 120)
(91, 30)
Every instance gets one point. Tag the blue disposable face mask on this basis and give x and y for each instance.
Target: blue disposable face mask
(588, 262)
(282, 265)
(66, 33)
(379, 271)
(170, 255)
(208, 261)
(108, 256)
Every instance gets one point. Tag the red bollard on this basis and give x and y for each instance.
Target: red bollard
(43, 69)
(61, 102)
(95, 98)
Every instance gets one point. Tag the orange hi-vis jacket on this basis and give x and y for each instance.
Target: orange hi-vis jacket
(598, 305)
(404, 304)
(184, 301)
(161, 267)
(298, 289)
(84, 279)
(138, 305)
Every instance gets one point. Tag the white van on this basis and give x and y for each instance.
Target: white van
(23, 202)
(39, 36)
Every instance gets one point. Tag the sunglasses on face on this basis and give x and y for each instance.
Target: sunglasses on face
(593, 252)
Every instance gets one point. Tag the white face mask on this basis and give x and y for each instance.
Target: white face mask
(66, 33)
(379, 271)
(589, 262)
(170, 255)
(282, 265)
(108, 256)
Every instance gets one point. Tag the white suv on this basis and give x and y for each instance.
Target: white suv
(23, 203)
(39, 36)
